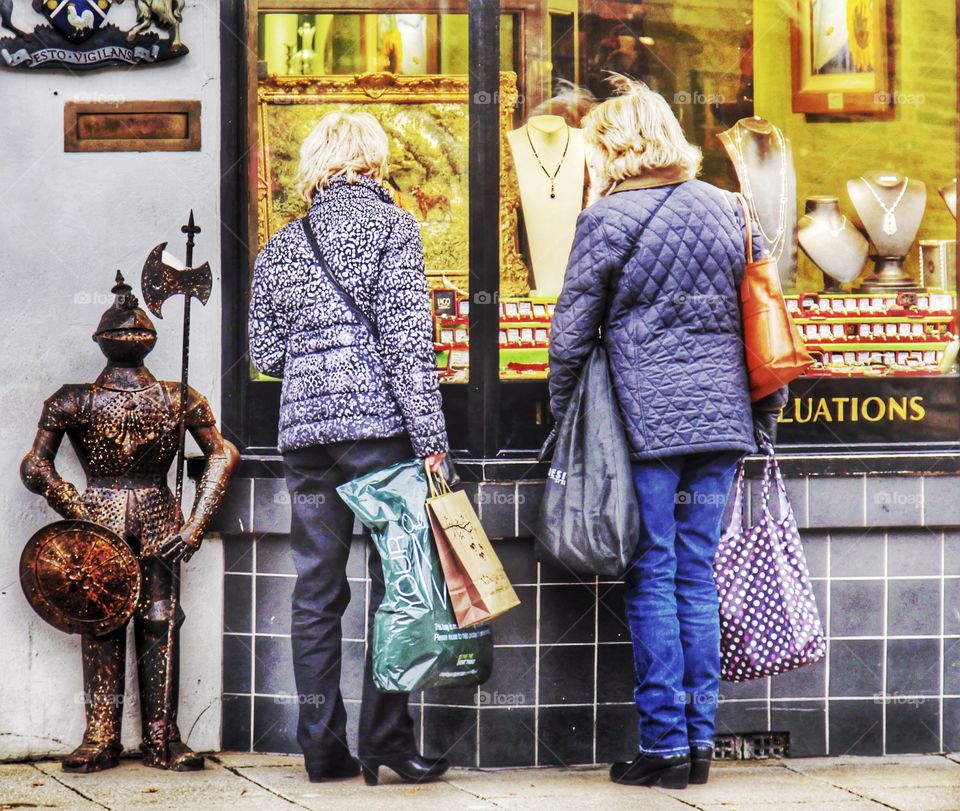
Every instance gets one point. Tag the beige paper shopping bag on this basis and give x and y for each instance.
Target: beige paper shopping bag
(479, 588)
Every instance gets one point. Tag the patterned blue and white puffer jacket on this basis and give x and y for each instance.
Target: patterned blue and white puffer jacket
(338, 382)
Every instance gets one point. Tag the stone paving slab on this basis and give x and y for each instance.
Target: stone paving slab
(901, 771)
(924, 798)
(290, 781)
(249, 782)
(23, 785)
(852, 805)
(133, 786)
(585, 789)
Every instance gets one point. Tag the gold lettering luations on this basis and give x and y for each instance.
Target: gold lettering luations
(897, 408)
(881, 413)
(853, 409)
(798, 406)
(840, 402)
(917, 411)
(822, 414)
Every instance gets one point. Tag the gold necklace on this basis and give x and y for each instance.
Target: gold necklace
(533, 149)
(775, 245)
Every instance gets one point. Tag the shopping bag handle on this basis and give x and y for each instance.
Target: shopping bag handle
(436, 481)
(734, 511)
(772, 477)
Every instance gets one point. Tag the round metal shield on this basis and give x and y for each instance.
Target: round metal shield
(80, 577)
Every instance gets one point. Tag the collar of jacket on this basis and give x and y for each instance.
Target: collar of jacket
(651, 179)
(339, 187)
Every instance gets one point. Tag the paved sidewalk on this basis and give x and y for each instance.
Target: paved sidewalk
(241, 782)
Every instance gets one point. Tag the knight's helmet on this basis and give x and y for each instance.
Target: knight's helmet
(125, 332)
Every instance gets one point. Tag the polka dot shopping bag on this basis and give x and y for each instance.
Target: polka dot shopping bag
(768, 615)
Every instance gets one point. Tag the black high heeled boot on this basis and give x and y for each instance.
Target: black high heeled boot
(409, 768)
(339, 769)
(648, 770)
(700, 757)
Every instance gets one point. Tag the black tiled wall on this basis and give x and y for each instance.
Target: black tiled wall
(889, 596)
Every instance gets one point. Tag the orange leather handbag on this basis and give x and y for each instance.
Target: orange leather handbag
(774, 349)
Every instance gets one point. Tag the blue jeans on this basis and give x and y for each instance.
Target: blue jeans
(671, 598)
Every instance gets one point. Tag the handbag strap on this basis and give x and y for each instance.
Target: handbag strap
(347, 298)
(608, 298)
(746, 218)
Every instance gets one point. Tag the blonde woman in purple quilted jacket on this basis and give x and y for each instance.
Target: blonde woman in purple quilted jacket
(656, 266)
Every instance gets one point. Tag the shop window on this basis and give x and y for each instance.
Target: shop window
(840, 128)
(855, 197)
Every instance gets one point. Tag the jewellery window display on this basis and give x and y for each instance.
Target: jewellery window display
(847, 205)
(872, 317)
(524, 336)
(875, 334)
(311, 44)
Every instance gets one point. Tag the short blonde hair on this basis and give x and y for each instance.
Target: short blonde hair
(342, 143)
(633, 133)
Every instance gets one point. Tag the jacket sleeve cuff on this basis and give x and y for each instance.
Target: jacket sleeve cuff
(424, 446)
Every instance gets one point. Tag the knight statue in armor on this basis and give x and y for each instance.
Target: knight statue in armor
(124, 428)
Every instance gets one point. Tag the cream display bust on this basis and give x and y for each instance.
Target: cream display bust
(949, 195)
(546, 149)
(763, 161)
(905, 199)
(831, 241)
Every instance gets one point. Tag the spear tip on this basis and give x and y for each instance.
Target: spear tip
(191, 227)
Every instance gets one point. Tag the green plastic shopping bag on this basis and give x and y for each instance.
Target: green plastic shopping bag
(416, 641)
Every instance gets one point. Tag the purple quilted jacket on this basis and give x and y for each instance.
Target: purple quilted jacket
(659, 270)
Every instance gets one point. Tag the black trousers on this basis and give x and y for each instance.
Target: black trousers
(321, 530)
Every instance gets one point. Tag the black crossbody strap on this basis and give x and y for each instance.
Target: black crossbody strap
(615, 282)
(347, 298)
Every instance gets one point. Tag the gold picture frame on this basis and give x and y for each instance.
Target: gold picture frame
(426, 119)
(840, 57)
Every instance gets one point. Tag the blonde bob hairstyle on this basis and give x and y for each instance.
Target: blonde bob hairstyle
(341, 143)
(635, 134)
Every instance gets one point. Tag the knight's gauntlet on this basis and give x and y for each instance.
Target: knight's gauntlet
(210, 493)
(41, 477)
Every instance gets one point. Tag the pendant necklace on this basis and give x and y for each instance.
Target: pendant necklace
(776, 244)
(835, 232)
(550, 177)
(889, 218)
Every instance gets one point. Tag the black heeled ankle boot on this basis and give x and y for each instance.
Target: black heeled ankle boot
(340, 769)
(409, 768)
(700, 757)
(648, 770)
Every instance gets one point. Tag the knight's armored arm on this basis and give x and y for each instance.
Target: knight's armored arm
(222, 458)
(38, 473)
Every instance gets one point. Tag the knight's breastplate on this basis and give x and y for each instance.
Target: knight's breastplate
(128, 441)
(129, 434)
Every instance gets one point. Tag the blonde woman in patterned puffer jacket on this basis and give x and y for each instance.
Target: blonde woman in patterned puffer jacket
(359, 394)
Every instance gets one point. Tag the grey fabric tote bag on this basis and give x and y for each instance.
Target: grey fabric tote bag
(589, 520)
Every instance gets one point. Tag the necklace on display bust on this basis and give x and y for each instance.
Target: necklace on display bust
(889, 218)
(775, 244)
(835, 232)
(563, 157)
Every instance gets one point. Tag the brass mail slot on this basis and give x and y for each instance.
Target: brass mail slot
(131, 126)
